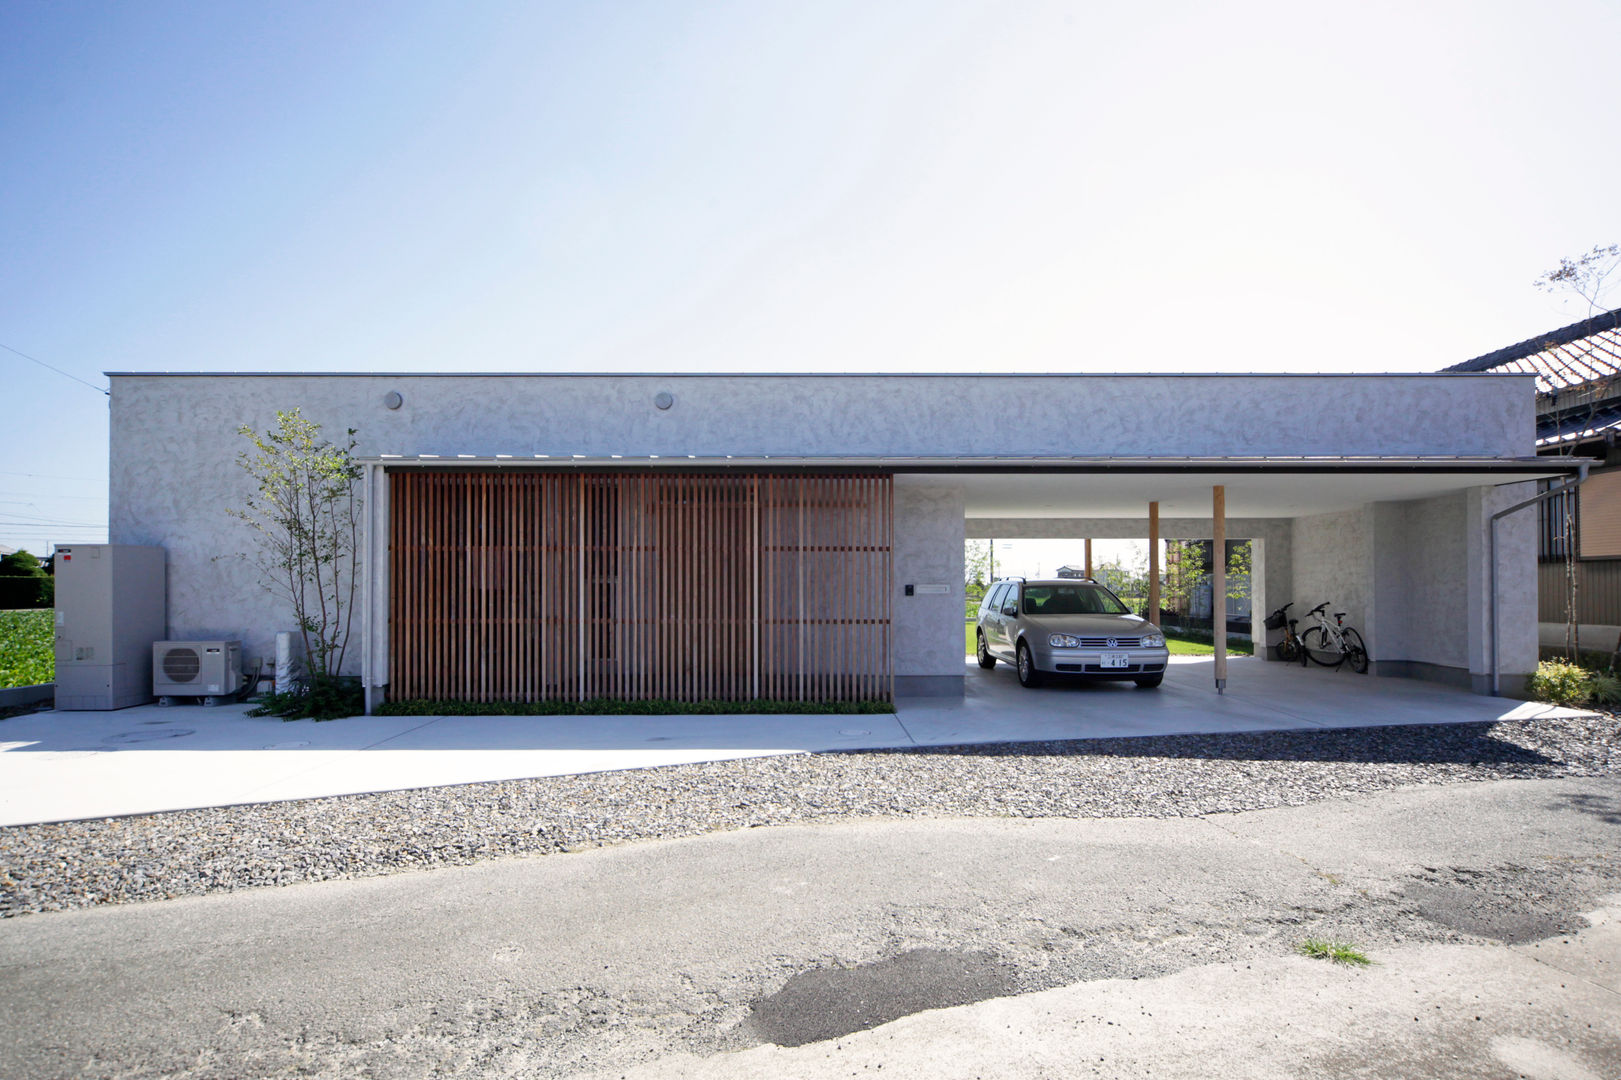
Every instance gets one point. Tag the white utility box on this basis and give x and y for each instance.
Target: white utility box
(211, 670)
(110, 608)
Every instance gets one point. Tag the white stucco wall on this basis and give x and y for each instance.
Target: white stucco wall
(1517, 583)
(1421, 587)
(928, 551)
(1333, 561)
(855, 415)
(1415, 579)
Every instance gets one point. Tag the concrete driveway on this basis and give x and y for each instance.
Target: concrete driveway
(63, 766)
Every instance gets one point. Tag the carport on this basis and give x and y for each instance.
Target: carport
(1402, 545)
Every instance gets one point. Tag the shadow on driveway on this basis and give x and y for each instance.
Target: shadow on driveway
(1460, 744)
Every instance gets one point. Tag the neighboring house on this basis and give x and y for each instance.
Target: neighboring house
(1071, 572)
(801, 536)
(1578, 404)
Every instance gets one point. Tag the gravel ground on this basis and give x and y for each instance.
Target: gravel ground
(157, 856)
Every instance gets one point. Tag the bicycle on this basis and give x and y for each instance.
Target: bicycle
(1289, 649)
(1334, 639)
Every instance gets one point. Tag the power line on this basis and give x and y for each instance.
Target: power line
(59, 371)
(21, 519)
(49, 476)
(28, 526)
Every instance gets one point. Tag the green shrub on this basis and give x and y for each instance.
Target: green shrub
(621, 707)
(27, 648)
(1605, 689)
(1560, 683)
(322, 698)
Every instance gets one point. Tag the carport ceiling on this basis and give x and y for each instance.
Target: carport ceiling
(1183, 494)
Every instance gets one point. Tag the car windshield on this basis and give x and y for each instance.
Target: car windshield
(1071, 600)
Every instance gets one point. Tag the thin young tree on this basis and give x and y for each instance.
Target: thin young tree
(1590, 276)
(306, 516)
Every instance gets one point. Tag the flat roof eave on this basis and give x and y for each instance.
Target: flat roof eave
(1519, 468)
(815, 374)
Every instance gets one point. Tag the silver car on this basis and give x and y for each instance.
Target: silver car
(1067, 626)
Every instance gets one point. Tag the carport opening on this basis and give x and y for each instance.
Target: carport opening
(1122, 565)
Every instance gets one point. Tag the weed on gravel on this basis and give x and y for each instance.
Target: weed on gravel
(1335, 952)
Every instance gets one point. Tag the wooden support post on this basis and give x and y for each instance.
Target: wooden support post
(1089, 559)
(1153, 563)
(1218, 581)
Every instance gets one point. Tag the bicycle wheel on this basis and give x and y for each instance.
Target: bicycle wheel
(1315, 647)
(1355, 651)
(1289, 650)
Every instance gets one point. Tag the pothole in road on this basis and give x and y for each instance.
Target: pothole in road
(1511, 904)
(825, 1003)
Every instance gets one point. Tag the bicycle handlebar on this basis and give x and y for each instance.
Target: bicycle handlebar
(1318, 608)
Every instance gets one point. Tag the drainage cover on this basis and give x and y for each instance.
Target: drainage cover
(825, 1003)
(148, 736)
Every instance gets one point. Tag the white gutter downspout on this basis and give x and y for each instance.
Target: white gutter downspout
(366, 590)
(1491, 555)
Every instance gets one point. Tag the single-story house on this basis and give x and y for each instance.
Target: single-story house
(801, 536)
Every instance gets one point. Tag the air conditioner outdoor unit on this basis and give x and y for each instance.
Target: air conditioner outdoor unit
(211, 670)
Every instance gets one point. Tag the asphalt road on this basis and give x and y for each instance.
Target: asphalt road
(1129, 947)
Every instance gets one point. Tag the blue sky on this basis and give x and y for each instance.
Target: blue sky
(1010, 186)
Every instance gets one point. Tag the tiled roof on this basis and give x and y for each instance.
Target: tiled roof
(1578, 370)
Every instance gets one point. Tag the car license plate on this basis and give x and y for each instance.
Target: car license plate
(1115, 659)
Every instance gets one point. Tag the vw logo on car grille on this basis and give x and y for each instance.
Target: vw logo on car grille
(1113, 643)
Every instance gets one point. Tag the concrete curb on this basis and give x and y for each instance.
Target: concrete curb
(27, 695)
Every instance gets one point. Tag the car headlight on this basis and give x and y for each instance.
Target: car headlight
(1063, 641)
(1154, 641)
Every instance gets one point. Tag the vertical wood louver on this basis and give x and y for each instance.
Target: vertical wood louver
(529, 586)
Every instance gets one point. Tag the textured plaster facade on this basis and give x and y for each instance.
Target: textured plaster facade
(923, 415)
(174, 445)
(1414, 578)
(928, 551)
(1333, 561)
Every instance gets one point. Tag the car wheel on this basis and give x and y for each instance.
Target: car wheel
(1148, 682)
(986, 660)
(1028, 675)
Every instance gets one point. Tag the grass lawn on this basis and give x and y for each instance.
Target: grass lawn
(1179, 646)
(1182, 646)
(27, 648)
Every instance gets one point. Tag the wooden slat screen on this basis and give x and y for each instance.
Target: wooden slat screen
(529, 586)
(1599, 523)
